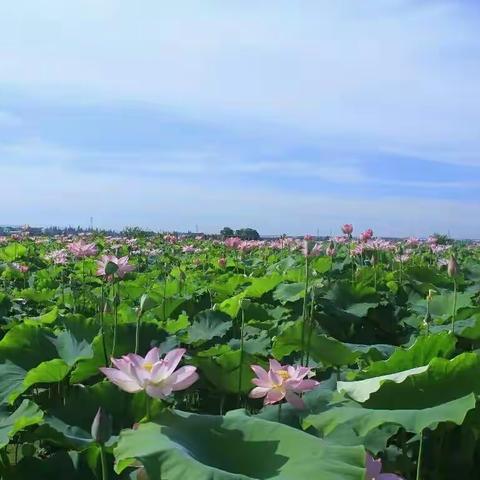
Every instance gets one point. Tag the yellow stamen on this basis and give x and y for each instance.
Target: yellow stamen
(283, 374)
(148, 366)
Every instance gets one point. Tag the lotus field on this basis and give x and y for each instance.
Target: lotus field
(195, 358)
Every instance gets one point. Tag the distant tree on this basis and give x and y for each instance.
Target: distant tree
(133, 232)
(442, 239)
(226, 232)
(247, 234)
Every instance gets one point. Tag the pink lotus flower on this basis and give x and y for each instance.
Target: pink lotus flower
(21, 268)
(282, 381)
(347, 229)
(232, 242)
(374, 468)
(169, 238)
(412, 242)
(157, 376)
(366, 235)
(110, 265)
(58, 257)
(222, 262)
(81, 249)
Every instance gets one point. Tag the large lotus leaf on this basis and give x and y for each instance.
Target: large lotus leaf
(40, 296)
(443, 381)
(426, 277)
(361, 390)
(12, 252)
(59, 465)
(46, 318)
(322, 264)
(231, 306)
(27, 346)
(284, 265)
(345, 295)
(229, 372)
(207, 325)
(51, 371)
(419, 354)
(322, 348)
(235, 447)
(61, 433)
(225, 285)
(11, 381)
(260, 286)
(289, 292)
(363, 420)
(70, 349)
(441, 305)
(166, 308)
(15, 380)
(27, 414)
(69, 425)
(173, 326)
(468, 328)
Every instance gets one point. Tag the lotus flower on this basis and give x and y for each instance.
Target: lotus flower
(282, 381)
(110, 265)
(366, 235)
(81, 249)
(232, 242)
(21, 268)
(158, 377)
(58, 257)
(347, 229)
(374, 468)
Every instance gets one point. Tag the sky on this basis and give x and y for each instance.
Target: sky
(286, 116)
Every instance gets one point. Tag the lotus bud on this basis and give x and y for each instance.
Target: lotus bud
(146, 303)
(244, 303)
(101, 427)
(307, 247)
(331, 249)
(452, 267)
(427, 320)
(430, 295)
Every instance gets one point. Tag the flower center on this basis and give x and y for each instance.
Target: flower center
(148, 366)
(283, 374)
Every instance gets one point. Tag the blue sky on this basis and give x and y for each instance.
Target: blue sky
(284, 116)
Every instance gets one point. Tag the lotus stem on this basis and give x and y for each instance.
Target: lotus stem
(305, 308)
(115, 316)
(147, 408)
(454, 313)
(242, 328)
(102, 325)
(419, 460)
(137, 330)
(103, 459)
